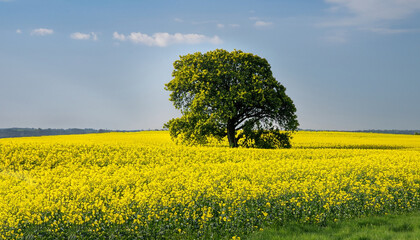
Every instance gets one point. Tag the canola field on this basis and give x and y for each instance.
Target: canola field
(143, 186)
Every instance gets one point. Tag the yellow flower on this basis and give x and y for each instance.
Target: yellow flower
(144, 179)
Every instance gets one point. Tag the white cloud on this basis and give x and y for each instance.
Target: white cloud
(392, 30)
(165, 39)
(260, 23)
(376, 16)
(118, 36)
(84, 36)
(215, 40)
(42, 31)
(367, 12)
(18, 31)
(178, 20)
(232, 25)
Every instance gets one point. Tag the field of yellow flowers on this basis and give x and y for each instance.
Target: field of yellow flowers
(141, 185)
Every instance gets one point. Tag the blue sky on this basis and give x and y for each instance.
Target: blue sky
(346, 64)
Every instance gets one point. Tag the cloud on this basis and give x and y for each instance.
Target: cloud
(84, 36)
(232, 25)
(368, 12)
(119, 37)
(18, 31)
(376, 16)
(165, 39)
(42, 31)
(178, 20)
(392, 30)
(260, 23)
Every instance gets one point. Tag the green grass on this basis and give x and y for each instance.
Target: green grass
(406, 226)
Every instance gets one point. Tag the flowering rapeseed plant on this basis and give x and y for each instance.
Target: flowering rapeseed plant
(143, 185)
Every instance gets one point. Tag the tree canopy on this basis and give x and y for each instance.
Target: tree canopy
(220, 93)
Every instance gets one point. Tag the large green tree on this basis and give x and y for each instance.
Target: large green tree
(221, 92)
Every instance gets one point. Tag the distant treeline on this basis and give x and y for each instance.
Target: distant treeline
(34, 132)
(408, 132)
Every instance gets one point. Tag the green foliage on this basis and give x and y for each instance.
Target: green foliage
(221, 92)
(264, 139)
(254, 135)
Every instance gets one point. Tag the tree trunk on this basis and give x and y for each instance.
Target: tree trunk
(233, 142)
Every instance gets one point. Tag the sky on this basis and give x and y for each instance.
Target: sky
(346, 64)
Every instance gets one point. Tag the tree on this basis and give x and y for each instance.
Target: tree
(221, 92)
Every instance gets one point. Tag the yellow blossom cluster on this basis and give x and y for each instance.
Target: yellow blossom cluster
(143, 185)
